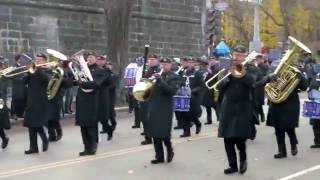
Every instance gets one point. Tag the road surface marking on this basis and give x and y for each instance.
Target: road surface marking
(105, 155)
(301, 173)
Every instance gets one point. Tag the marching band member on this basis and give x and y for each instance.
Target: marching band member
(19, 91)
(314, 85)
(209, 96)
(37, 106)
(160, 111)
(195, 79)
(284, 117)
(112, 94)
(153, 67)
(55, 108)
(261, 71)
(181, 115)
(4, 112)
(236, 113)
(104, 96)
(87, 107)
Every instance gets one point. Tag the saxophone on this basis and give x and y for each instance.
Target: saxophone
(286, 73)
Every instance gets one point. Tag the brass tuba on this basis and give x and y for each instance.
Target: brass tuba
(57, 72)
(143, 89)
(286, 79)
(80, 69)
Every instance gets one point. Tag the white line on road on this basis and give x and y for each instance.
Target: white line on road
(301, 173)
(70, 162)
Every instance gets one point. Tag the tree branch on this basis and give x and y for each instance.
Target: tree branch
(270, 16)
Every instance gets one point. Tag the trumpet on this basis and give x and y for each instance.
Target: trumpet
(14, 71)
(234, 71)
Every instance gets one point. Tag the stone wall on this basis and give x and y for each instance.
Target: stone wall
(66, 25)
(171, 27)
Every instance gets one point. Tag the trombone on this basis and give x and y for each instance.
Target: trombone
(248, 59)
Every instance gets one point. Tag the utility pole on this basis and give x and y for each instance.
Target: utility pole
(255, 44)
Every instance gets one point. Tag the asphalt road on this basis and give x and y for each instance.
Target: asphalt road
(201, 157)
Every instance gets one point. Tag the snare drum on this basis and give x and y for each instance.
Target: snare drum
(181, 103)
(311, 109)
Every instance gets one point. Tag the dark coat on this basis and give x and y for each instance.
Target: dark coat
(37, 100)
(112, 91)
(104, 96)
(160, 111)
(314, 84)
(4, 113)
(87, 103)
(258, 91)
(143, 111)
(237, 112)
(56, 104)
(197, 88)
(19, 88)
(4, 83)
(209, 94)
(286, 114)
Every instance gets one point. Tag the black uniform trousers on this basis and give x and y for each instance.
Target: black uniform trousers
(68, 100)
(158, 146)
(18, 107)
(90, 138)
(137, 120)
(130, 102)
(33, 132)
(2, 134)
(260, 112)
(280, 134)
(229, 144)
(179, 117)
(209, 113)
(54, 129)
(143, 112)
(316, 132)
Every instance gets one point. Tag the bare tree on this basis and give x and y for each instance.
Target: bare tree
(117, 20)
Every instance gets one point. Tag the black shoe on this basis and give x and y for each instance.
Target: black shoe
(208, 123)
(104, 132)
(198, 129)
(177, 127)
(146, 142)
(243, 167)
(5, 142)
(110, 136)
(83, 153)
(170, 156)
(280, 156)
(90, 153)
(157, 161)
(52, 138)
(113, 127)
(45, 146)
(315, 146)
(135, 126)
(59, 134)
(230, 170)
(31, 151)
(185, 135)
(294, 150)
